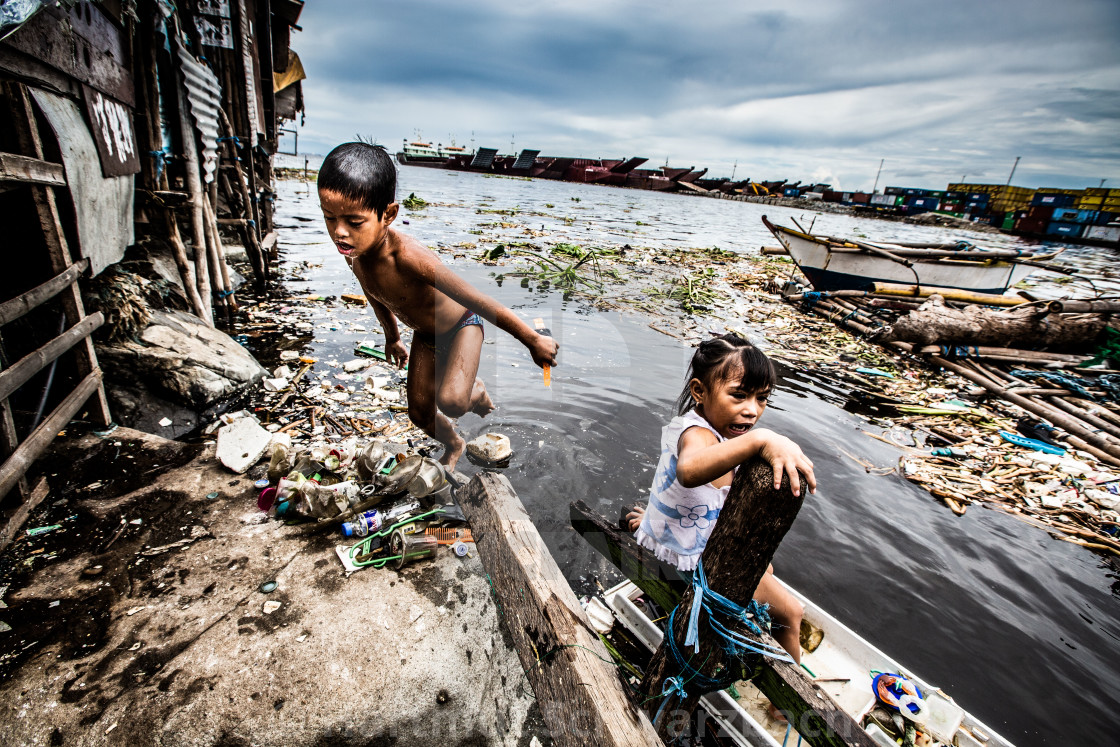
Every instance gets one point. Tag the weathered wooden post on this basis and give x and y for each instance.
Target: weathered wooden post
(752, 523)
(577, 688)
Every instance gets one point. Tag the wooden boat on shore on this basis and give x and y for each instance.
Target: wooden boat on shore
(842, 663)
(832, 263)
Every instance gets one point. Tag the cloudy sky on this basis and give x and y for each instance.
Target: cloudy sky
(811, 90)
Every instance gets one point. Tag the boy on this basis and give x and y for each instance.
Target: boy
(404, 279)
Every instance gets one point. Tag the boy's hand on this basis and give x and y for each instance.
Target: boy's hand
(397, 353)
(543, 349)
(786, 457)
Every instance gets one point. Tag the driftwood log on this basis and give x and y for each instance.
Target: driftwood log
(572, 674)
(752, 523)
(935, 323)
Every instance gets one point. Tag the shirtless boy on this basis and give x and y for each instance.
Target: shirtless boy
(405, 280)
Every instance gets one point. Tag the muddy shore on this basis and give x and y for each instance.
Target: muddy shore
(142, 621)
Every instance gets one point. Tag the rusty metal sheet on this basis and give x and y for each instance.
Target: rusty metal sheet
(113, 132)
(82, 43)
(103, 206)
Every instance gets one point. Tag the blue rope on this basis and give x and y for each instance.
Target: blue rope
(1070, 382)
(811, 297)
(722, 616)
(231, 138)
(953, 352)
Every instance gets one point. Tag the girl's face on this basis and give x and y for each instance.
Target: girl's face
(731, 409)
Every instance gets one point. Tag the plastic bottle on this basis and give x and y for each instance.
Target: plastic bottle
(279, 462)
(363, 524)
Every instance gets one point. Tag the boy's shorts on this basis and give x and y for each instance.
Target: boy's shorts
(442, 343)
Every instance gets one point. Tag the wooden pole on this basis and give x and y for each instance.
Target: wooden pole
(194, 187)
(949, 294)
(578, 691)
(252, 246)
(752, 523)
(179, 252)
(1093, 305)
(219, 269)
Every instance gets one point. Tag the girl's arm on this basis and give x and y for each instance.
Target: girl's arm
(701, 457)
(543, 349)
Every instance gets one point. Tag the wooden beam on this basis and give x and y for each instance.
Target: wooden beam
(15, 308)
(31, 170)
(19, 518)
(34, 362)
(577, 688)
(16, 465)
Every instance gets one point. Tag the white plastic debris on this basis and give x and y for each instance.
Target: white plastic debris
(598, 615)
(355, 365)
(490, 447)
(289, 355)
(165, 422)
(271, 606)
(274, 385)
(241, 444)
(282, 372)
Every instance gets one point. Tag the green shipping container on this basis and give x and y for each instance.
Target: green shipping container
(1008, 221)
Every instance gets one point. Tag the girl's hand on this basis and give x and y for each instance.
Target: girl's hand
(544, 350)
(397, 353)
(786, 457)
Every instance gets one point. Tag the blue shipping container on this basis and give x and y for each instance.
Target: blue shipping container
(1049, 199)
(893, 191)
(928, 203)
(1073, 215)
(1057, 228)
(791, 192)
(1104, 218)
(979, 197)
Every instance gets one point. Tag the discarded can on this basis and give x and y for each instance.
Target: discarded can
(363, 524)
(410, 547)
(460, 549)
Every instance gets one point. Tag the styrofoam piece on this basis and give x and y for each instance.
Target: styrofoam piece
(241, 444)
(490, 447)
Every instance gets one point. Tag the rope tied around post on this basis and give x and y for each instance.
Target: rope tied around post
(722, 616)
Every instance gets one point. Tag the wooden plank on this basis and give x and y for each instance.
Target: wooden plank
(15, 168)
(16, 465)
(661, 581)
(14, 308)
(34, 362)
(57, 249)
(19, 518)
(577, 688)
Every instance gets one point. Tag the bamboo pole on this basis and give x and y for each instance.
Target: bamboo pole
(949, 294)
(220, 271)
(179, 252)
(252, 246)
(194, 188)
(1077, 307)
(1103, 425)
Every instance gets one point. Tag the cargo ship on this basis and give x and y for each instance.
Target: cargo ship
(419, 153)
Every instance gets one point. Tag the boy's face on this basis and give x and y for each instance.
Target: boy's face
(354, 228)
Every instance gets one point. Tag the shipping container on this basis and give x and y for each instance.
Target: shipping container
(883, 200)
(845, 197)
(1103, 233)
(954, 195)
(1073, 215)
(978, 197)
(1070, 230)
(791, 192)
(1104, 218)
(977, 207)
(1031, 225)
(893, 191)
(861, 198)
(928, 203)
(1041, 212)
(1102, 192)
(1008, 221)
(1051, 199)
(831, 196)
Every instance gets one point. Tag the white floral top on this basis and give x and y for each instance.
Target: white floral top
(679, 520)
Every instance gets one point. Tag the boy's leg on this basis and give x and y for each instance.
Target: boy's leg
(458, 388)
(422, 409)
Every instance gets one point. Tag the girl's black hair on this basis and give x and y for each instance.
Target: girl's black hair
(724, 356)
(363, 172)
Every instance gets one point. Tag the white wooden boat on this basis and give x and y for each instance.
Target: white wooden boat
(841, 664)
(833, 264)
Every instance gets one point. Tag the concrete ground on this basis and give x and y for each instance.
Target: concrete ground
(129, 646)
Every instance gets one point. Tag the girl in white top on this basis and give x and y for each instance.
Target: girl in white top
(729, 383)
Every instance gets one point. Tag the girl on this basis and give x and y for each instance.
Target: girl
(729, 383)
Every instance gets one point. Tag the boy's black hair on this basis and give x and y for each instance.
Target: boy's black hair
(362, 172)
(727, 355)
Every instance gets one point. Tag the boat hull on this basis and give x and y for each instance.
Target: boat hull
(828, 269)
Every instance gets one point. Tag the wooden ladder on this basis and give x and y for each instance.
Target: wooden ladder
(42, 178)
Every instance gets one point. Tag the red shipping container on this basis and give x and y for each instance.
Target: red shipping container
(1030, 224)
(1042, 212)
(861, 197)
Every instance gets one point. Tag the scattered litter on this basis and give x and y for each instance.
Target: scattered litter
(55, 603)
(490, 447)
(133, 610)
(164, 422)
(267, 587)
(197, 532)
(4, 627)
(136, 522)
(42, 530)
(241, 444)
(598, 614)
(135, 647)
(271, 606)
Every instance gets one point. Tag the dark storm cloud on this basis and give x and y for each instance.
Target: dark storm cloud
(810, 85)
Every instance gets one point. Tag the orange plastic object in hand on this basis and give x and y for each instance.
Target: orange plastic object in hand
(543, 330)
